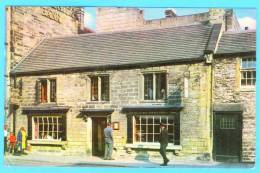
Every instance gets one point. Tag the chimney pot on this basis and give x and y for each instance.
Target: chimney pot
(170, 13)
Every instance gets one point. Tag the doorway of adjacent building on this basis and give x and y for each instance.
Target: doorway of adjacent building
(227, 137)
(98, 142)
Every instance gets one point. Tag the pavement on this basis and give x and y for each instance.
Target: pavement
(40, 159)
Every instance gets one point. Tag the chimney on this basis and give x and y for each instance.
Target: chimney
(79, 15)
(170, 13)
(246, 28)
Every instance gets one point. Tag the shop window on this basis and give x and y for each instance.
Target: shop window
(48, 128)
(147, 128)
(248, 71)
(99, 88)
(155, 86)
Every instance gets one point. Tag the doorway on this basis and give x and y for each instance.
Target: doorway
(227, 141)
(98, 141)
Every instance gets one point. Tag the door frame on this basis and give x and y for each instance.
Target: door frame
(240, 121)
(92, 133)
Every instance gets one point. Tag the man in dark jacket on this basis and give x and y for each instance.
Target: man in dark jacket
(163, 143)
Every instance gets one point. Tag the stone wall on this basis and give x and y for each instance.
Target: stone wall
(227, 89)
(125, 19)
(25, 28)
(29, 25)
(73, 90)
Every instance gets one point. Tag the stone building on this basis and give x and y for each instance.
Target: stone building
(199, 79)
(126, 19)
(28, 26)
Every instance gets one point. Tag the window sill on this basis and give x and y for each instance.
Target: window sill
(47, 142)
(153, 101)
(248, 89)
(98, 102)
(152, 146)
(48, 103)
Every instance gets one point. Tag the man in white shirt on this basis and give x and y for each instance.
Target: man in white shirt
(5, 138)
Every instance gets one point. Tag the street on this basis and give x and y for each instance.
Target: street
(84, 161)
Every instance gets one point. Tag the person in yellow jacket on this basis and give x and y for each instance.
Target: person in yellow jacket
(21, 139)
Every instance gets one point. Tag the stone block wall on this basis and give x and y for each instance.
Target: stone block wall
(29, 25)
(25, 28)
(73, 90)
(125, 19)
(227, 89)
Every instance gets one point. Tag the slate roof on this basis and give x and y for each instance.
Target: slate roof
(237, 42)
(91, 51)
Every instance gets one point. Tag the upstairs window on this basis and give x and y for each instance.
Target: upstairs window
(248, 71)
(45, 90)
(155, 86)
(94, 88)
(99, 88)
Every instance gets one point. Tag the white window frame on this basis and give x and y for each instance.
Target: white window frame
(48, 89)
(153, 117)
(99, 88)
(57, 117)
(154, 85)
(243, 87)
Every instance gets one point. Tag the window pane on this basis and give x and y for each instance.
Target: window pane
(43, 91)
(143, 128)
(143, 120)
(160, 86)
(249, 82)
(150, 120)
(248, 75)
(156, 128)
(170, 138)
(156, 137)
(170, 120)
(143, 137)
(137, 133)
(53, 90)
(156, 121)
(244, 63)
(163, 120)
(94, 88)
(243, 82)
(137, 120)
(150, 128)
(150, 138)
(170, 128)
(148, 86)
(104, 88)
(253, 81)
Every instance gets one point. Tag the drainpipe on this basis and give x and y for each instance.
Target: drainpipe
(212, 90)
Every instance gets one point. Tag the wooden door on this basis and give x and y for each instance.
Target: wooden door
(227, 137)
(98, 142)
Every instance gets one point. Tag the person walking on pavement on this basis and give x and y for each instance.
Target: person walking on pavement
(5, 138)
(163, 143)
(109, 142)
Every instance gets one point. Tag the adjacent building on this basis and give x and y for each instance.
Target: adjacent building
(26, 27)
(198, 79)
